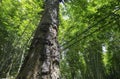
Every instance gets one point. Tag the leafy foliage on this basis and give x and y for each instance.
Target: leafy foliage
(18, 19)
(88, 36)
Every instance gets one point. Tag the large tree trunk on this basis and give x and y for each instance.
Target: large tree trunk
(42, 61)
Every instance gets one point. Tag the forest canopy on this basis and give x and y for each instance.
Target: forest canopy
(88, 36)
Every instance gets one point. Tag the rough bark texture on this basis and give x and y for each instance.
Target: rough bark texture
(42, 61)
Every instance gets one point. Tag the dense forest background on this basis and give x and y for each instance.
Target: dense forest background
(89, 37)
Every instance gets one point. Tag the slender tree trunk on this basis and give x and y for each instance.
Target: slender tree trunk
(42, 61)
(73, 75)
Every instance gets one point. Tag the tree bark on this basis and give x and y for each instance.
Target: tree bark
(42, 61)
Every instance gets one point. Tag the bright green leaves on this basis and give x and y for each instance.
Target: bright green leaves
(18, 20)
(91, 24)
